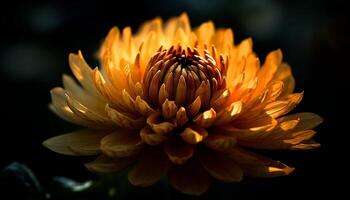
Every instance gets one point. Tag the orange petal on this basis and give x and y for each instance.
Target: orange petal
(272, 62)
(219, 166)
(180, 96)
(305, 121)
(194, 134)
(152, 165)
(150, 137)
(123, 119)
(189, 178)
(282, 107)
(178, 151)
(128, 101)
(143, 107)
(194, 107)
(220, 142)
(121, 143)
(203, 92)
(229, 114)
(163, 94)
(258, 166)
(181, 117)
(206, 118)
(169, 109)
(84, 142)
(157, 126)
(291, 131)
(284, 74)
(105, 164)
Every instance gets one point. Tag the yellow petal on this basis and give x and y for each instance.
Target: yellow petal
(152, 165)
(84, 142)
(194, 134)
(189, 178)
(258, 166)
(86, 113)
(219, 166)
(105, 164)
(59, 106)
(122, 143)
(82, 72)
(178, 151)
(83, 96)
(150, 137)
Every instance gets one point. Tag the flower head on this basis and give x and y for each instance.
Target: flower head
(181, 102)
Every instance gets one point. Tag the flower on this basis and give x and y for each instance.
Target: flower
(181, 102)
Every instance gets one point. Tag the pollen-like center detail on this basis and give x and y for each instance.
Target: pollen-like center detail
(183, 72)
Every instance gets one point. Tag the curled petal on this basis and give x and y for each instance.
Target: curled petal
(169, 109)
(59, 106)
(206, 118)
(150, 137)
(194, 134)
(86, 113)
(157, 126)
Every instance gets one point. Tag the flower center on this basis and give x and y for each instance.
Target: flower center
(182, 75)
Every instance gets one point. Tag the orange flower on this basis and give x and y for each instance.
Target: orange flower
(182, 103)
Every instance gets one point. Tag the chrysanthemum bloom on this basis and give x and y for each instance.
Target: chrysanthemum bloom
(181, 102)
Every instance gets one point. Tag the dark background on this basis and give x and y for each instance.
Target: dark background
(37, 37)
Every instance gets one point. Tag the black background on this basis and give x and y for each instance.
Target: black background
(37, 37)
